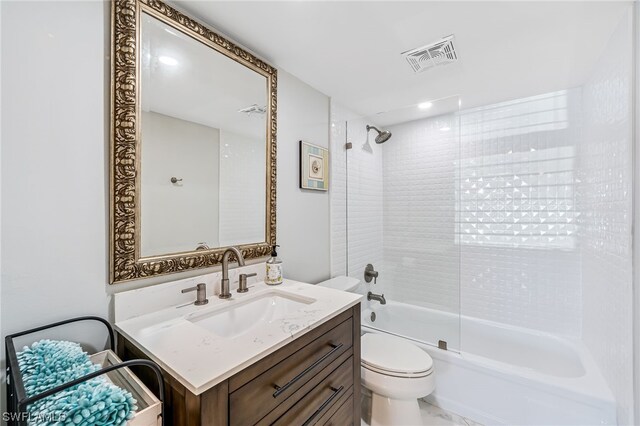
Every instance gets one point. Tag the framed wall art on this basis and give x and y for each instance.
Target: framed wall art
(314, 167)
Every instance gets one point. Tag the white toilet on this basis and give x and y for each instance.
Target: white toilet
(397, 373)
(394, 370)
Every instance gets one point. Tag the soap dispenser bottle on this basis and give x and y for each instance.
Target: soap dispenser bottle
(274, 268)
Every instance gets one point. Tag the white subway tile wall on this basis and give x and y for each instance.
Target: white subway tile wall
(242, 165)
(520, 263)
(365, 202)
(338, 190)
(421, 256)
(604, 198)
(474, 217)
(485, 222)
(356, 176)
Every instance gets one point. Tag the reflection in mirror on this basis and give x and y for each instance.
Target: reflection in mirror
(203, 145)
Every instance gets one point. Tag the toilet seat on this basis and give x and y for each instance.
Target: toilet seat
(397, 374)
(395, 357)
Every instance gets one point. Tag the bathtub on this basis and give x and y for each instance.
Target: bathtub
(501, 374)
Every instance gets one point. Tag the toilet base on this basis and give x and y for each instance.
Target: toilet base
(394, 412)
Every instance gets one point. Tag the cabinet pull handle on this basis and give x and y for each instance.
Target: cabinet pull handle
(324, 404)
(281, 389)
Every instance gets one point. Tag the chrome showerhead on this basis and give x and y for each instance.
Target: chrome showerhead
(383, 135)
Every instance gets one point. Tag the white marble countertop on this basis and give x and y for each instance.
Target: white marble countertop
(201, 352)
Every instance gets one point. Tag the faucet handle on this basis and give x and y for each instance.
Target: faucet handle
(201, 293)
(242, 286)
(370, 273)
(194, 288)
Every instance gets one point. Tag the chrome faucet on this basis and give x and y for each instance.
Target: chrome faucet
(201, 293)
(378, 297)
(224, 284)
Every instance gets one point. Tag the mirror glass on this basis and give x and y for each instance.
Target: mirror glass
(203, 145)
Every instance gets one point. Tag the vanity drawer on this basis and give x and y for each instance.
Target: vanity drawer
(342, 412)
(322, 398)
(278, 384)
(342, 417)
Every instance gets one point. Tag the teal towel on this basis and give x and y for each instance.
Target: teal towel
(49, 363)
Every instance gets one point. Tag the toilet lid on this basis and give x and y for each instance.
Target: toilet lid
(394, 355)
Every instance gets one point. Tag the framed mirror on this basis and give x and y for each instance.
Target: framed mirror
(193, 147)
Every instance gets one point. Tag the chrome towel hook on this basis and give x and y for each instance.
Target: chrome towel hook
(175, 179)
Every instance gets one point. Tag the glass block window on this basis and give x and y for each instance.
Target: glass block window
(515, 180)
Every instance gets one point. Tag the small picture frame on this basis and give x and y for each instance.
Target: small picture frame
(314, 167)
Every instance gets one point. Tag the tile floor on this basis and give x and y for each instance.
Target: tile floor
(436, 416)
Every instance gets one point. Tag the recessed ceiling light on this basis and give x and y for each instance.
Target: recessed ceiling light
(168, 60)
(425, 105)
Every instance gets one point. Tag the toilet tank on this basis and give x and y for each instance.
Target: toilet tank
(341, 282)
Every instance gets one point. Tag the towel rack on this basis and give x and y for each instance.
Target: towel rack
(17, 399)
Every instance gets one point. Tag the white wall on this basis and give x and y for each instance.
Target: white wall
(221, 200)
(605, 158)
(55, 151)
(178, 216)
(54, 187)
(54, 129)
(303, 215)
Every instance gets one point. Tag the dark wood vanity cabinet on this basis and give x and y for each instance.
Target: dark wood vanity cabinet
(314, 380)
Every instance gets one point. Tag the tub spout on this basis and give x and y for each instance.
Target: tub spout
(379, 297)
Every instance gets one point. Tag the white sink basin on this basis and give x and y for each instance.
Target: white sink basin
(241, 317)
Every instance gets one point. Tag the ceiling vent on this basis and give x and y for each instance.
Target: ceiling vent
(432, 55)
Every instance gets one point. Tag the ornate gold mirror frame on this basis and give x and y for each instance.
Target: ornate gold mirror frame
(126, 263)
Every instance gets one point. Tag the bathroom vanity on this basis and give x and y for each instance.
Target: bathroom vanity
(288, 355)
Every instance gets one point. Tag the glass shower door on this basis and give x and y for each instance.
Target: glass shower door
(401, 206)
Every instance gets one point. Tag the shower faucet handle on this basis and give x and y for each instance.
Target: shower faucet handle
(370, 274)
